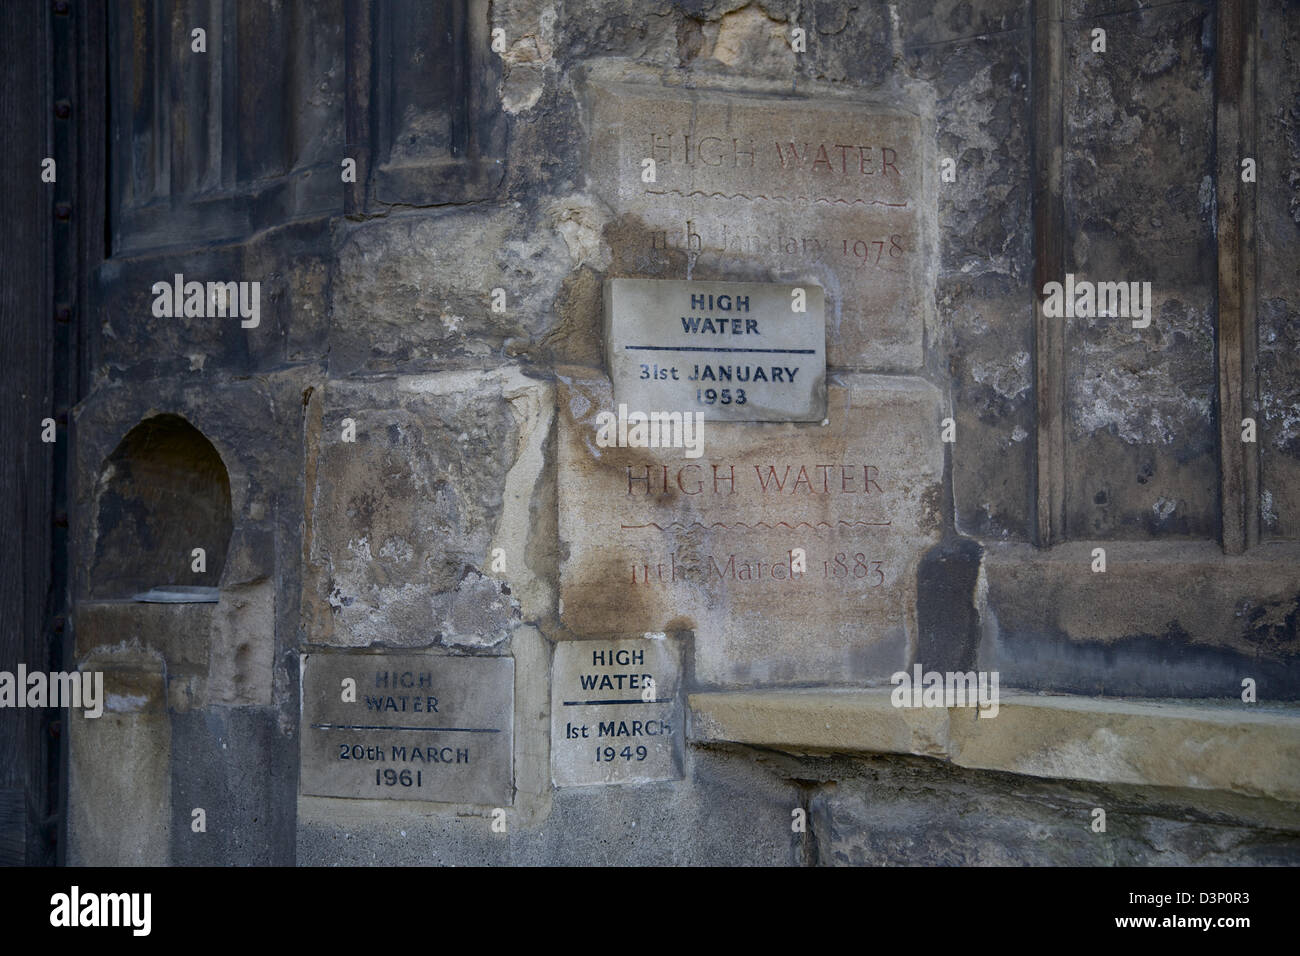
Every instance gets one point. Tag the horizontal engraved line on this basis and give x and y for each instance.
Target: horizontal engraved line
(445, 730)
(706, 348)
(761, 524)
(775, 198)
(636, 700)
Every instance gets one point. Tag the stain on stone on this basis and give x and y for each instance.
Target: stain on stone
(1272, 626)
(947, 615)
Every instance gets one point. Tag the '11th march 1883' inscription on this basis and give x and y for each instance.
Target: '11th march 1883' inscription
(789, 549)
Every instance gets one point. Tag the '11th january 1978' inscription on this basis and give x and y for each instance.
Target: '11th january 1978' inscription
(785, 187)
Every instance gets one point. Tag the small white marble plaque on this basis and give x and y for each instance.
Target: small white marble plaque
(733, 351)
(616, 714)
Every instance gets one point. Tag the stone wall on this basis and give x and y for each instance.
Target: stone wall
(407, 437)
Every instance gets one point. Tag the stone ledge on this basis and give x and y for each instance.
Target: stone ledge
(1205, 746)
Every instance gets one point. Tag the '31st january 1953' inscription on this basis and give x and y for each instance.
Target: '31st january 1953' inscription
(747, 351)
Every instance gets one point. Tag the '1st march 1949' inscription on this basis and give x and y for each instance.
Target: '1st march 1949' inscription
(616, 715)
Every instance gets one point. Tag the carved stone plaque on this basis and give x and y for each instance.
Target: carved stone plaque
(733, 351)
(410, 727)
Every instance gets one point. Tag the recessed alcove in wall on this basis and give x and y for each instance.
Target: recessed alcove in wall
(163, 492)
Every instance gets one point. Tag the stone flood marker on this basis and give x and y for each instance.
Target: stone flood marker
(422, 727)
(810, 189)
(734, 351)
(616, 714)
(790, 549)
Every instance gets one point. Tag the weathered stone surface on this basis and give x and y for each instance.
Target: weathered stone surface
(791, 190)
(976, 60)
(533, 787)
(412, 294)
(1277, 206)
(993, 405)
(805, 721)
(729, 810)
(712, 549)
(405, 523)
(421, 727)
(900, 812)
(1140, 455)
(292, 265)
(178, 632)
(121, 760)
(1239, 748)
(616, 714)
(220, 760)
(693, 346)
(1163, 620)
(243, 647)
(219, 653)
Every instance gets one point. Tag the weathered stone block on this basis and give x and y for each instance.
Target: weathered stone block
(1243, 749)
(404, 525)
(236, 765)
(1164, 620)
(659, 542)
(1277, 231)
(243, 646)
(899, 812)
(178, 632)
(794, 189)
(413, 294)
(1141, 439)
(121, 760)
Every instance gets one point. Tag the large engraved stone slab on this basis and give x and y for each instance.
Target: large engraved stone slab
(616, 714)
(422, 727)
(656, 541)
(733, 351)
(793, 189)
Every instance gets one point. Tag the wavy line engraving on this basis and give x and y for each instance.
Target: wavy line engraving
(777, 197)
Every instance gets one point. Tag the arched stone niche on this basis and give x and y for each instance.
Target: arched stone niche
(163, 492)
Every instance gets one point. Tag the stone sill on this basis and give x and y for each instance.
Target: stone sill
(1246, 749)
